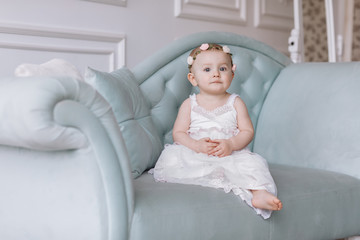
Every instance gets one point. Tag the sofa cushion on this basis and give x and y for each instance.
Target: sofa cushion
(178, 211)
(132, 113)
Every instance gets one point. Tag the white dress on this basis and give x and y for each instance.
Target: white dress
(239, 172)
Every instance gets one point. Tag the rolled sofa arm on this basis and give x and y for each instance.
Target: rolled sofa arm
(55, 114)
(27, 110)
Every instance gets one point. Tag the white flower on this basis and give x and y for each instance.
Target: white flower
(190, 60)
(226, 49)
(233, 67)
(204, 46)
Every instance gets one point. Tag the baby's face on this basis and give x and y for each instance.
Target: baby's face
(211, 72)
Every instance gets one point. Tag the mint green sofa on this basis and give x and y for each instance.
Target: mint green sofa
(74, 156)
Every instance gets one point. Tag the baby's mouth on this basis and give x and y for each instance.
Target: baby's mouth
(217, 81)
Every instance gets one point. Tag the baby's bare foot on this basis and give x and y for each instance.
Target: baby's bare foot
(264, 200)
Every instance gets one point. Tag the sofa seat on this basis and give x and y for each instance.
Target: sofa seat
(177, 211)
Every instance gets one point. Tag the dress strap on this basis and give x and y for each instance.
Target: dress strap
(193, 100)
(231, 99)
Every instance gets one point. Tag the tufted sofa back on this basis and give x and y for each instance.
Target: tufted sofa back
(163, 77)
(146, 99)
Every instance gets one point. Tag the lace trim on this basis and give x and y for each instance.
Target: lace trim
(227, 131)
(227, 107)
(217, 111)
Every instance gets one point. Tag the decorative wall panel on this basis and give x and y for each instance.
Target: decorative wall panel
(274, 14)
(33, 44)
(225, 11)
(111, 2)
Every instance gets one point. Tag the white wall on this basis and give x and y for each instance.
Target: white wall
(146, 25)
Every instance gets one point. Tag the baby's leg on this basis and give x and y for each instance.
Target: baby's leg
(264, 200)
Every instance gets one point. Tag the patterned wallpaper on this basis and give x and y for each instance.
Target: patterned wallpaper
(356, 32)
(315, 38)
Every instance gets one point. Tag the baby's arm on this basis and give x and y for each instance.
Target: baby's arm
(181, 126)
(242, 139)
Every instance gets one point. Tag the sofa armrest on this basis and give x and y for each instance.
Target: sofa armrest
(310, 118)
(52, 115)
(27, 106)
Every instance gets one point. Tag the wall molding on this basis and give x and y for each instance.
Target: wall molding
(225, 11)
(122, 3)
(274, 14)
(72, 41)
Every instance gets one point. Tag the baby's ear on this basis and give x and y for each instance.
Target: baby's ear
(191, 79)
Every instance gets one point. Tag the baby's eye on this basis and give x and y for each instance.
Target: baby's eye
(207, 69)
(222, 69)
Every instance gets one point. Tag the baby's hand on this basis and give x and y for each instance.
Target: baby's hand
(205, 145)
(223, 149)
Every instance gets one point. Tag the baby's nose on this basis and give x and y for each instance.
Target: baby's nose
(216, 73)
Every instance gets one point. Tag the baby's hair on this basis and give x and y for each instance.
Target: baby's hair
(207, 47)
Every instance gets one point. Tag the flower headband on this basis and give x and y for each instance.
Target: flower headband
(207, 46)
